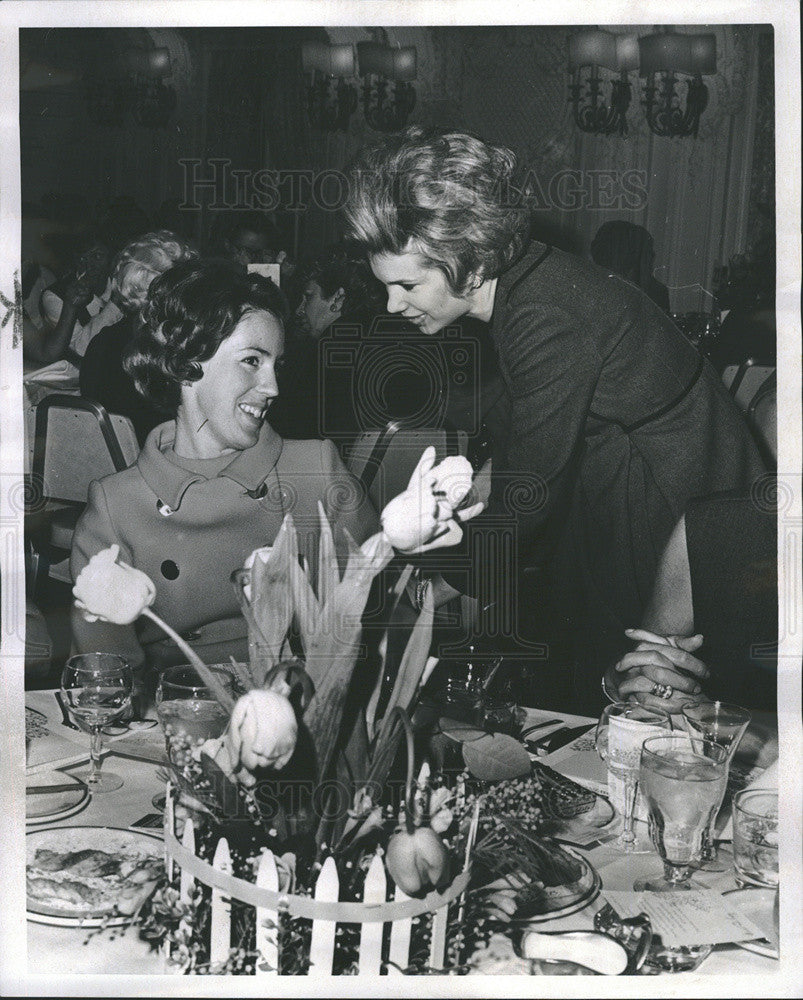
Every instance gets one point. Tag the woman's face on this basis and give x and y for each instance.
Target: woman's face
(316, 312)
(419, 291)
(225, 409)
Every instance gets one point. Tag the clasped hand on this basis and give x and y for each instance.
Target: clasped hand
(669, 662)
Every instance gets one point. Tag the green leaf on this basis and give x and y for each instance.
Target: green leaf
(495, 757)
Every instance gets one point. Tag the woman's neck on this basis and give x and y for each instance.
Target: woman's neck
(482, 300)
(190, 441)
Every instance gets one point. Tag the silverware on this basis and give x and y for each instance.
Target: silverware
(539, 725)
(65, 715)
(51, 789)
(559, 739)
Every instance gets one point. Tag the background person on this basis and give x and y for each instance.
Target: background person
(629, 251)
(101, 375)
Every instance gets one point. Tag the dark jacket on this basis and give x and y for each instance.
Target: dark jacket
(103, 379)
(616, 421)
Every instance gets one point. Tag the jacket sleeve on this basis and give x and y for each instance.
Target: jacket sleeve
(95, 531)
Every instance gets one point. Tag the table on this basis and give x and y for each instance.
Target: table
(54, 949)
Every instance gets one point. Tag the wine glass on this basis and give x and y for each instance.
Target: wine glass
(725, 725)
(621, 730)
(189, 712)
(97, 691)
(683, 783)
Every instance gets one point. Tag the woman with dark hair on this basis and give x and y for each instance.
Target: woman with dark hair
(616, 421)
(215, 482)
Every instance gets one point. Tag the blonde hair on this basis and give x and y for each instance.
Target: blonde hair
(147, 257)
(446, 195)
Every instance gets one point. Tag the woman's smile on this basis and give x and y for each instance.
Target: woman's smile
(224, 410)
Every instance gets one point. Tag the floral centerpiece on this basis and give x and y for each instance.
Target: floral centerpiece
(295, 808)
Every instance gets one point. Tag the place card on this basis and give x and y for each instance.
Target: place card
(699, 916)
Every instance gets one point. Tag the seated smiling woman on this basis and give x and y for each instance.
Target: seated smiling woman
(215, 482)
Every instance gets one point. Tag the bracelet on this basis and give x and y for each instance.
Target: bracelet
(606, 692)
(421, 588)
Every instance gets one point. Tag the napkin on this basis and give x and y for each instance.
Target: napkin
(767, 779)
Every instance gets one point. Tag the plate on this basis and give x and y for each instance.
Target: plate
(563, 899)
(48, 807)
(123, 846)
(758, 905)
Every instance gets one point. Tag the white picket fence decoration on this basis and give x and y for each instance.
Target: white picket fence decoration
(399, 913)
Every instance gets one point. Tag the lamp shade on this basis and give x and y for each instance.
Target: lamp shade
(405, 63)
(592, 48)
(315, 56)
(627, 52)
(341, 60)
(158, 62)
(703, 54)
(665, 53)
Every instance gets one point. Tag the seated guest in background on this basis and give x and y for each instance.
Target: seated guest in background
(715, 609)
(628, 251)
(76, 307)
(216, 481)
(249, 237)
(340, 297)
(102, 376)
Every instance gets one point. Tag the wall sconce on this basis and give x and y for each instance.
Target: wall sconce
(663, 56)
(329, 105)
(658, 58)
(388, 96)
(588, 52)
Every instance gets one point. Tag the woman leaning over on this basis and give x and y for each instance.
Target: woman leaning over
(616, 420)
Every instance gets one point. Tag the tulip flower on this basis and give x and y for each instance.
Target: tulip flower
(112, 591)
(263, 730)
(426, 514)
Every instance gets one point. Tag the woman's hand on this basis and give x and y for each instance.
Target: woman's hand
(427, 515)
(669, 662)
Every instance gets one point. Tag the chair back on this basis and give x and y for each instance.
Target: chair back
(747, 380)
(383, 460)
(77, 441)
(763, 418)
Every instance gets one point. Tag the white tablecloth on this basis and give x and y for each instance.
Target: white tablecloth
(56, 949)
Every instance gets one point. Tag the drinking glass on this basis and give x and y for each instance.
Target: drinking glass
(725, 725)
(97, 690)
(755, 837)
(683, 783)
(621, 730)
(188, 711)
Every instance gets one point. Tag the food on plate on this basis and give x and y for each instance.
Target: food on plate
(90, 880)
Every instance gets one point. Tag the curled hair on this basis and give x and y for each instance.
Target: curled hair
(446, 195)
(192, 308)
(147, 258)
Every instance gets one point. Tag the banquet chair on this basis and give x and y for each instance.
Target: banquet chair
(762, 415)
(383, 461)
(76, 441)
(746, 380)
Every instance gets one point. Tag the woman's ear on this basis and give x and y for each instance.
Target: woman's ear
(337, 300)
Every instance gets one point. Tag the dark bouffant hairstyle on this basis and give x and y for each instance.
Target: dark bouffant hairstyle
(191, 310)
(446, 195)
(343, 266)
